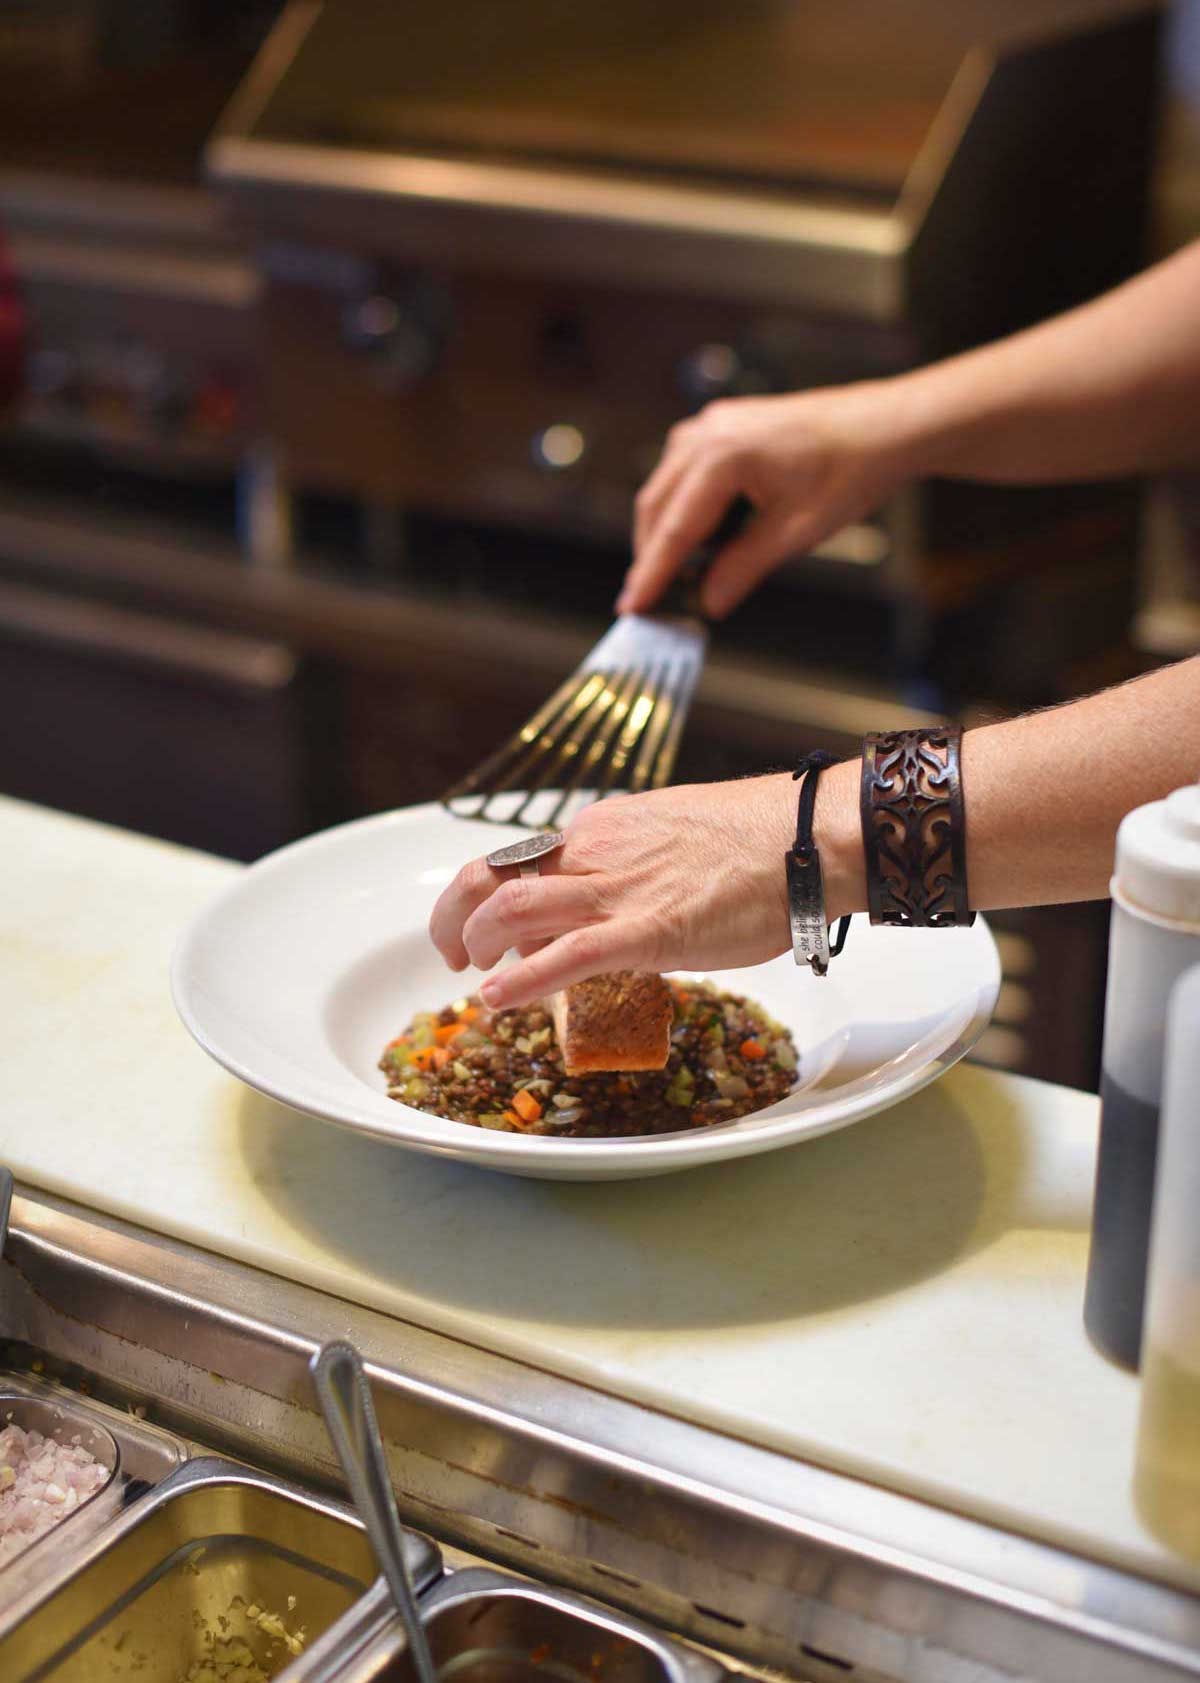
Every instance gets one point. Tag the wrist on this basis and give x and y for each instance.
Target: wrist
(924, 429)
(837, 833)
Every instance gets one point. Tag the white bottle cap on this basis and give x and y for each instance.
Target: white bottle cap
(1158, 858)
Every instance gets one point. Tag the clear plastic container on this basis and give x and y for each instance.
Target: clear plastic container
(1167, 1480)
(135, 1454)
(67, 1425)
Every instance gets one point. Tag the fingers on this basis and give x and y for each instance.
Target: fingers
(658, 489)
(571, 958)
(746, 561)
(470, 888)
(693, 509)
(528, 910)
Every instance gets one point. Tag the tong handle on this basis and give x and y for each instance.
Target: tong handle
(345, 1399)
(6, 1192)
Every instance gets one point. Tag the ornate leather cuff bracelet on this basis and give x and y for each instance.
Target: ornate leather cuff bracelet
(806, 889)
(914, 829)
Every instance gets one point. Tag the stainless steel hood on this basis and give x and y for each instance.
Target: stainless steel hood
(835, 157)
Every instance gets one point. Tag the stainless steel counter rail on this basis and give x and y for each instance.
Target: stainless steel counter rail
(781, 1563)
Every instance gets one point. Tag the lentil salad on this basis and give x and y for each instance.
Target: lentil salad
(504, 1070)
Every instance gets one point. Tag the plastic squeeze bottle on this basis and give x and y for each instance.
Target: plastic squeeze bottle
(1167, 1481)
(1154, 938)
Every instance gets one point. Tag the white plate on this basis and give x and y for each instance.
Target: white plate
(297, 976)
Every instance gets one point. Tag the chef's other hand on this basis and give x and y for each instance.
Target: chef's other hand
(808, 462)
(688, 878)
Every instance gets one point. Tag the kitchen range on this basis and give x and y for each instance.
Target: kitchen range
(415, 344)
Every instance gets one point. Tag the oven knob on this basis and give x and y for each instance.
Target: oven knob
(558, 448)
(712, 371)
(54, 374)
(402, 337)
(708, 372)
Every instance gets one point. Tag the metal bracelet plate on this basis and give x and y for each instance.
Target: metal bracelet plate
(806, 911)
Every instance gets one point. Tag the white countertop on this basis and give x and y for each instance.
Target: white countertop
(901, 1300)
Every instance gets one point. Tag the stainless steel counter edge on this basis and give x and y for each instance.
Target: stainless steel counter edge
(778, 1562)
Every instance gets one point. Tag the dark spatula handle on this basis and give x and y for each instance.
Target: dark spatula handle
(682, 595)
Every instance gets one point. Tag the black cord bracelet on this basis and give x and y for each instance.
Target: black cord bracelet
(806, 889)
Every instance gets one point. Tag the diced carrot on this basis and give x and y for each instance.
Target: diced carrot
(682, 996)
(423, 1056)
(448, 1032)
(527, 1106)
(512, 1117)
(752, 1049)
(469, 1015)
(441, 1056)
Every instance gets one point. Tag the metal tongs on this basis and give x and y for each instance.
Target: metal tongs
(6, 1192)
(345, 1399)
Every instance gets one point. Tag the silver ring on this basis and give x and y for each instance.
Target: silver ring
(525, 854)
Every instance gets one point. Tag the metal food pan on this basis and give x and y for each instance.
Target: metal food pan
(189, 1574)
(486, 1627)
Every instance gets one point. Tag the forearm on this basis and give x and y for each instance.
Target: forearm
(1043, 794)
(1108, 389)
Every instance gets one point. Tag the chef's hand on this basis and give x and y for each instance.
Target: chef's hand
(808, 462)
(688, 878)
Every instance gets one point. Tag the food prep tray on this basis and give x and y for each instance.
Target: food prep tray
(216, 1555)
(136, 1456)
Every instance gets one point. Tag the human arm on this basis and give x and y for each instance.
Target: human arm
(1110, 388)
(693, 878)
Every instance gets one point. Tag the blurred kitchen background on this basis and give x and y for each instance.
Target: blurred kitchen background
(350, 330)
